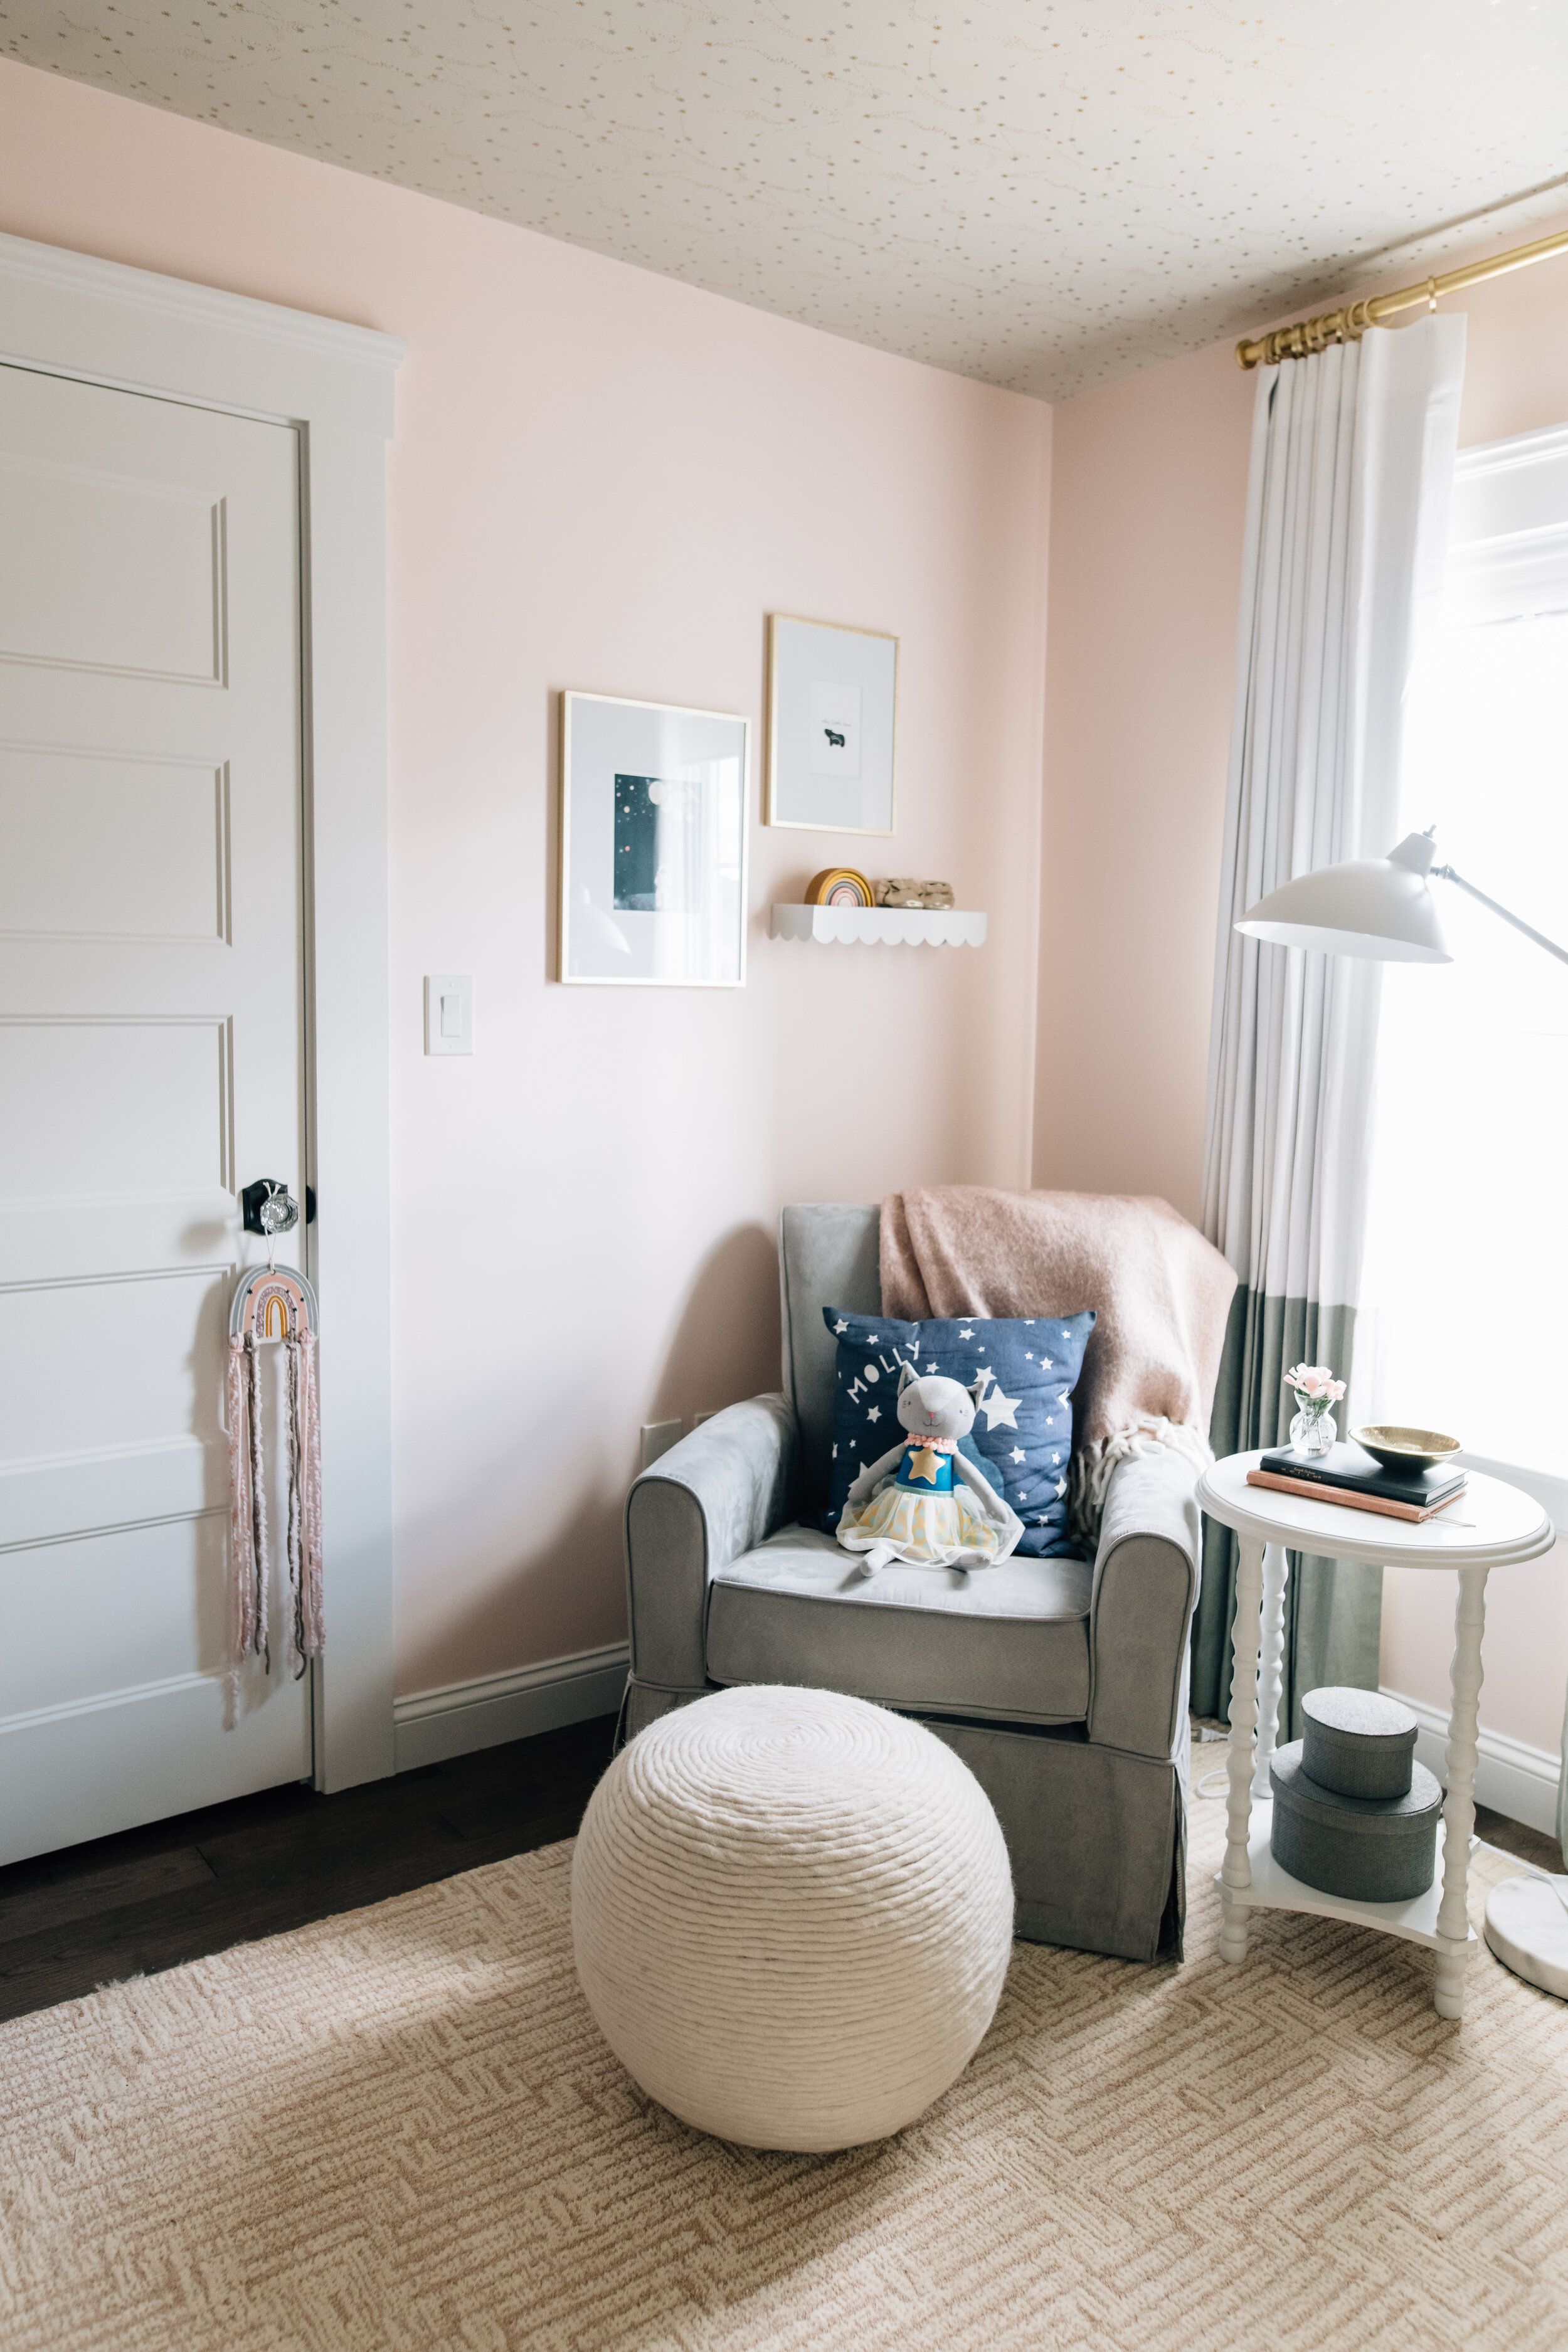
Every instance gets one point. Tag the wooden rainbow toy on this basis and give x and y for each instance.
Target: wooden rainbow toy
(838, 886)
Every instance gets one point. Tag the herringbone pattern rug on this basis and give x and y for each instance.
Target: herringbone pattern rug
(400, 2128)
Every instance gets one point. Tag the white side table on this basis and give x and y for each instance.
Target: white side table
(1490, 1526)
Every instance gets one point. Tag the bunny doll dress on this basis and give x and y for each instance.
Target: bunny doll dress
(923, 1513)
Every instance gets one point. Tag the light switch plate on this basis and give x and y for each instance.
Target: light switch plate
(448, 1013)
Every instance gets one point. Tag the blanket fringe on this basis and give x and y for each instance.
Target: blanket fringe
(1089, 1473)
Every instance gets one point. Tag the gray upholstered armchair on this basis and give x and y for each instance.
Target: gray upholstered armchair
(1062, 1686)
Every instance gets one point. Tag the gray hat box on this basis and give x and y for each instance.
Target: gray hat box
(1354, 1814)
(1358, 1743)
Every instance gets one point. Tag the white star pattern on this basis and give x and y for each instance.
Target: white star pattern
(841, 1327)
(875, 1412)
(966, 1335)
(1001, 1411)
(1061, 1486)
(836, 1454)
(1017, 1453)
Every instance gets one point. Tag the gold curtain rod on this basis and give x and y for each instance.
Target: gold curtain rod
(1343, 326)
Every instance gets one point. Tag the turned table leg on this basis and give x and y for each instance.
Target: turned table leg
(1276, 1567)
(1459, 1804)
(1237, 1875)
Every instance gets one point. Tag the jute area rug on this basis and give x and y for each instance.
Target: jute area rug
(400, 2128)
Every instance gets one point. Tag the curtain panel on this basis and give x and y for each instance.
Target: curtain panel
(1352, 464)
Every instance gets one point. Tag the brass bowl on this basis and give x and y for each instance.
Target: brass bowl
(1406, 1449)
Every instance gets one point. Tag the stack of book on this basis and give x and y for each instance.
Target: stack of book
(1349, 1474)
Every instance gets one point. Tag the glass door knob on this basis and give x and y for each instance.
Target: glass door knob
(269, 1208)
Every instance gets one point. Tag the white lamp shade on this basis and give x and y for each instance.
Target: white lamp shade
(1380, 907)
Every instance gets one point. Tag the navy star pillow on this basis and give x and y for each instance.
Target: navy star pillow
(1022, 1436)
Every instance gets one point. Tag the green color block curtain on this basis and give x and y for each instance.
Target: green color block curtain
(1352, 462)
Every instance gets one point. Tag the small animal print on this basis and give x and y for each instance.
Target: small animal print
(835, 740)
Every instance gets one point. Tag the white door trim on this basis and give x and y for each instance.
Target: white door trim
(73, 315)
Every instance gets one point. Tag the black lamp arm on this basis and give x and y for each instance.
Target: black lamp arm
(1448, 875)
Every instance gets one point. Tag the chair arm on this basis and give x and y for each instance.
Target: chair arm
(714, 1495)
(1141, 1614)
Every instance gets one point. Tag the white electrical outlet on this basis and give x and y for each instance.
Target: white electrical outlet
(657, 1437)
(448, 1013)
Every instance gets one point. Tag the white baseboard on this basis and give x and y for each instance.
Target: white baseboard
(1511, 1778)
(431, 1725)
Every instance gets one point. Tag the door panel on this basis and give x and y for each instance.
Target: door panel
(87, 534)
(160, 834)
(151, 1063)
(113, 1108)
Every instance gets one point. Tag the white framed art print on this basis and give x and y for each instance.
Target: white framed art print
(653, 845)
(832, 707)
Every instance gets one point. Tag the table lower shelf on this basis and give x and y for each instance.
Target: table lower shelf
(1273, 1889)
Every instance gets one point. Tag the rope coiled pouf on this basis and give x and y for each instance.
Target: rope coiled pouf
(792, 1914)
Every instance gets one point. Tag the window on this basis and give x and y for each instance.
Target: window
(1465, 1319)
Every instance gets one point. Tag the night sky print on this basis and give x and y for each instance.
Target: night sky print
(637, 844)
(1022, 1437)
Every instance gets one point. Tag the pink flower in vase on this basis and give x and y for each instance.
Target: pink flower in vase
(1315, 1385)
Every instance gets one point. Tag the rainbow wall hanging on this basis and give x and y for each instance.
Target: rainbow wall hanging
(273, 1302)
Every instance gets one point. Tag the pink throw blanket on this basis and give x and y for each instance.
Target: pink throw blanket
(1161, 1291)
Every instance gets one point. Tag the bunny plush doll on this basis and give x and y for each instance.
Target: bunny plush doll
(925, 1502)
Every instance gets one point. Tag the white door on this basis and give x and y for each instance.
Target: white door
(151, 1064)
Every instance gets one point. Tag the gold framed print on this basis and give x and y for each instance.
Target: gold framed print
(653, 845)
(832, 714)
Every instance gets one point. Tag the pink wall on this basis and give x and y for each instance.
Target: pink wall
(1149, 486)
(1148, 499)
(605, 479)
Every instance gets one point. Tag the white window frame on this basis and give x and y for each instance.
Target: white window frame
(1508, 530)
(101, 322)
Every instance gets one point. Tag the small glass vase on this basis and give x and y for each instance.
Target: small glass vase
(1313, 1431)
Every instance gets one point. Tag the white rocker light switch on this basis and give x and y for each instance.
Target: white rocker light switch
(448, 1013)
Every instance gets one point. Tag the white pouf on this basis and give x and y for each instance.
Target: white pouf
(792, 1914)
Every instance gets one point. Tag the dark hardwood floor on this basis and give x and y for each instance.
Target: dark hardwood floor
(1513, 1837)
(176, 1890)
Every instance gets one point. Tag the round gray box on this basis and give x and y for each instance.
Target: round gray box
(1358, 1743)
(1367, 1850)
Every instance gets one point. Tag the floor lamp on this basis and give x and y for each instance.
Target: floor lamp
(1383, 909)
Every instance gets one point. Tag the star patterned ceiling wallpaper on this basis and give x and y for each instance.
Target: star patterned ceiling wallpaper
(1042, 193)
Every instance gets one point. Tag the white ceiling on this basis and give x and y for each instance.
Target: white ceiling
(1044, 194)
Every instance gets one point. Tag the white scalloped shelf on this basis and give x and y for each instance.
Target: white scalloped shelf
(888, 927)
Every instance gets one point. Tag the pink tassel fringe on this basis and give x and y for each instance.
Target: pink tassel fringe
(248, 1578)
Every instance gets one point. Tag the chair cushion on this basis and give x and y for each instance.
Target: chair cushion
(1009, 1643)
